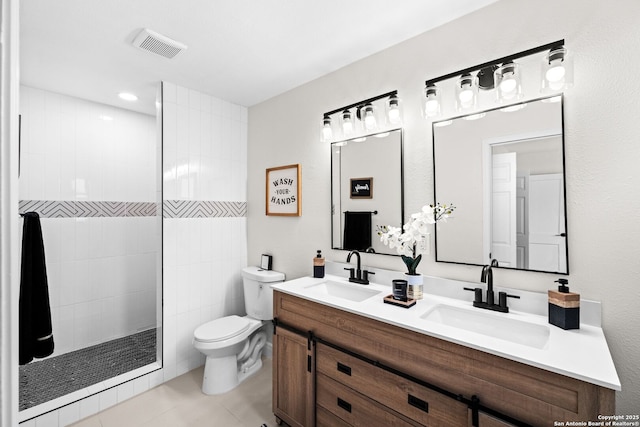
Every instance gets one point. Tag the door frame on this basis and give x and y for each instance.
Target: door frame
(9, 267)
(487, 166)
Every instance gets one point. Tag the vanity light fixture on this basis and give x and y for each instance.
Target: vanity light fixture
(504, 75)
(364, 118)
(557, 70)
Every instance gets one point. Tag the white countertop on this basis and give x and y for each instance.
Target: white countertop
(580, 353)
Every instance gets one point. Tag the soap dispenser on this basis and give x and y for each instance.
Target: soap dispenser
(318, 265)
(564, 307)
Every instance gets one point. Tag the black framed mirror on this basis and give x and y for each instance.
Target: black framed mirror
(504, 170)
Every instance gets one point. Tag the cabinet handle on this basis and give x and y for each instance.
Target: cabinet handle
(344, 369)
(344, 405)
(308, 363)
(419, 403)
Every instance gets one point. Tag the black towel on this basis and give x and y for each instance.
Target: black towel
(357, 231)
(36, 337)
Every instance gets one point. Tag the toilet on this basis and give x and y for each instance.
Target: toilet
(233, 344)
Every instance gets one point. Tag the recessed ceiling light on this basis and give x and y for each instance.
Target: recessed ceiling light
(127, 96)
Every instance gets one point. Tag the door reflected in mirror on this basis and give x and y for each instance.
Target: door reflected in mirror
(505, 171)
(366, 190)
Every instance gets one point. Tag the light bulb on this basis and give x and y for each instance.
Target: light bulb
(555, 73)
(393, 110)
(466, 95)
(431, 106)
(466, 92)
(347, 127)
(508, 84)
(555, 76)
(347, 124)
(432, 102)
(394, 115)
(369, 120)
(327, 134)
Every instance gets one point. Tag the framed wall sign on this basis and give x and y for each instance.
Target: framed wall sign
(362, 188)
(283, 191)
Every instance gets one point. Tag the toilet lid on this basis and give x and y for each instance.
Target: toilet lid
(221, 329)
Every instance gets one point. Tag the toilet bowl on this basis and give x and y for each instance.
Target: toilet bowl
(233, 344)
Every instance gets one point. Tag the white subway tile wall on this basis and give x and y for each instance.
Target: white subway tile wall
(93, 182)
(204, 154)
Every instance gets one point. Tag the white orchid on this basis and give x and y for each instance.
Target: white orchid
(410, 242)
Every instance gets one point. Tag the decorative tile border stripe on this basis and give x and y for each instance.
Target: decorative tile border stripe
(83, 209)
(203, 209)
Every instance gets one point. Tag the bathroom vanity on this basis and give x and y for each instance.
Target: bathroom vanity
(342, 357)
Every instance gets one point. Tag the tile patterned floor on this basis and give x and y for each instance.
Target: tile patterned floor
(48, 379)
(181, 403)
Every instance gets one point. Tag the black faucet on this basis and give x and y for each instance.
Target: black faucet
(360, 276)
(490, 304)
(487, 277)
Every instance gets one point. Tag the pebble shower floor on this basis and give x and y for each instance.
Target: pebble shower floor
(48, 379)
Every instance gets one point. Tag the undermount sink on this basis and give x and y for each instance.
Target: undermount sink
(356, 293)
(491, 324)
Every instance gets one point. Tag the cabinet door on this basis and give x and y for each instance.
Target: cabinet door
(293, 373)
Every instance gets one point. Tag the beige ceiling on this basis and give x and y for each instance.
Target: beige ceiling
(243, 51)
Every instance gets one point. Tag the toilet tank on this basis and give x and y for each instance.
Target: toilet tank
(258, 295)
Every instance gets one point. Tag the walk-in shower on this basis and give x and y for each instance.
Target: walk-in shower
(92, 173)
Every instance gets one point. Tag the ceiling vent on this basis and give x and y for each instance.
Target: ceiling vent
(157, 43)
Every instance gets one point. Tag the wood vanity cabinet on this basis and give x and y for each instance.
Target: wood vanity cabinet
(370, 373)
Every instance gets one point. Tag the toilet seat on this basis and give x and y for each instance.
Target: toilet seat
(221, 329)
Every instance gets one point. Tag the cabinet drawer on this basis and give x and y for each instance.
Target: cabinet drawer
(417, 402)
(352, 407)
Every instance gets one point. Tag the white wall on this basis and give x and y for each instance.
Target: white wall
(101, 263)
(204, 154)
(602, 151)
